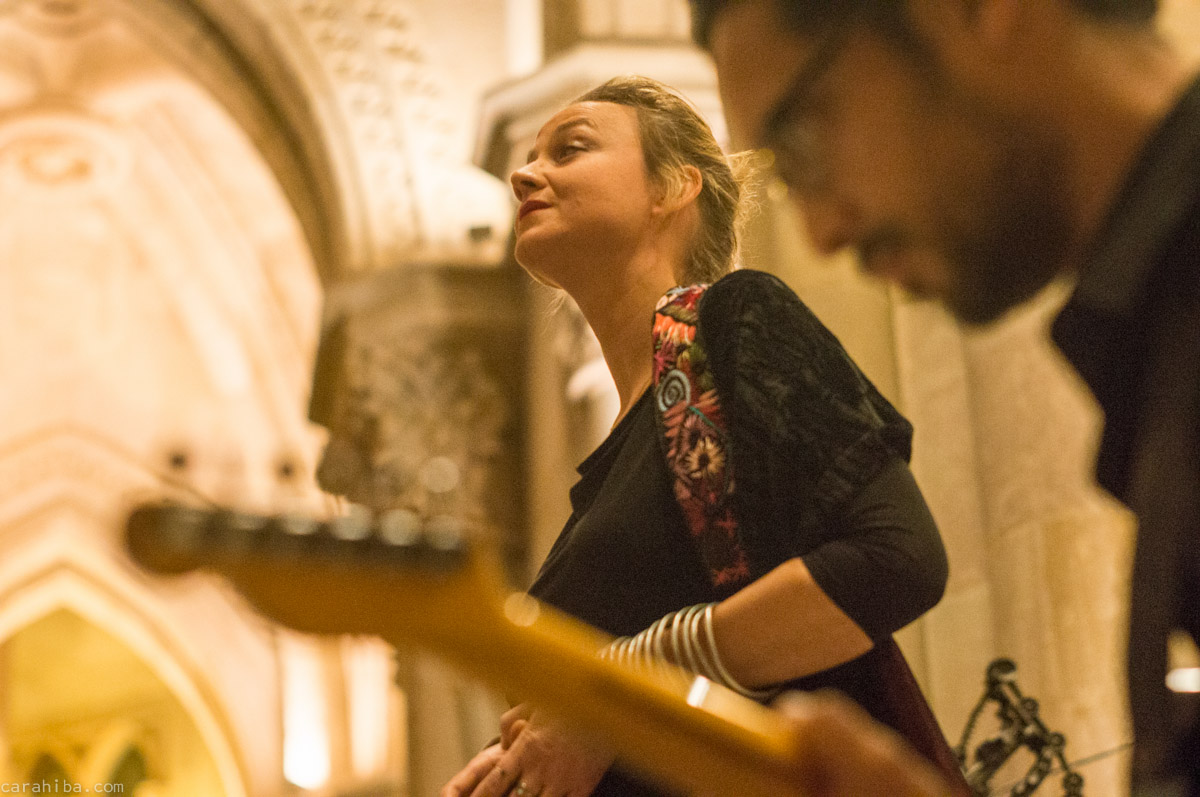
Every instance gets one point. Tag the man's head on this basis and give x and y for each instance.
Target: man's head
(890, 17)
(927, 134)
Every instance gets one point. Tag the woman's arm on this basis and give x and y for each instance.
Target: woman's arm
(885, 567)
(784, 626)
(820, 462)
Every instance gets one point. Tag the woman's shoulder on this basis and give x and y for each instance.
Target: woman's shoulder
(761, 301)
(745, 283)
(736, 289)
(782, 368)
(752, 316)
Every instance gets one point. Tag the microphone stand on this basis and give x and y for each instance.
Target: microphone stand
(1020, 727)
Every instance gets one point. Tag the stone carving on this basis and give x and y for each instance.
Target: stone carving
(422, 205)
(61, 151)
(55, 17)
(418, 426)
(663, 22)
(658, 20)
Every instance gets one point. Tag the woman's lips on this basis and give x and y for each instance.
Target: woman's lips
(529, 206)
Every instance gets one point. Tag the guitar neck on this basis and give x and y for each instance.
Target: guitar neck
(435, 592)
(684, 731)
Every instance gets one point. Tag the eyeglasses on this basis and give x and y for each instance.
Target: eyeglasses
(791, 129)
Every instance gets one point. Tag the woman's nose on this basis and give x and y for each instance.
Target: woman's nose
(524, 181)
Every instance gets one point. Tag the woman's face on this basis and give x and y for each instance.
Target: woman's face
(584, 193)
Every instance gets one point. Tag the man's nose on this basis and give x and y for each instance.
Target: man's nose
(831, 222)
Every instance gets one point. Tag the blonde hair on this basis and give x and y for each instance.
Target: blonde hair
(674, 135)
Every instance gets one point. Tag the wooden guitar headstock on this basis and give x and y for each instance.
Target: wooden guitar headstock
(410, 581)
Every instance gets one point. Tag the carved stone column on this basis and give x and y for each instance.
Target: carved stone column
(419, 382)
(569, 23)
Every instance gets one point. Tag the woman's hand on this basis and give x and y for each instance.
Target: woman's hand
(847, 754)
(535, 758)
(512, 722)
(478, 768)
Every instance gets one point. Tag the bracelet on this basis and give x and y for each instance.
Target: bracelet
(710, 667)
(689, 638)
(723, 674)
(684, 638)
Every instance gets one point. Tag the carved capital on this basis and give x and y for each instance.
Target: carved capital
(420, 392)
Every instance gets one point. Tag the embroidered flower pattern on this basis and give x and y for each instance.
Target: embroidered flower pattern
(706, 460)
(697, 444)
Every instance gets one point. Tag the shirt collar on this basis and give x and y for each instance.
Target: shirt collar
(1161, 190)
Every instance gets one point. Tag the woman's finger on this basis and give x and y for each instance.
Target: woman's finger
(552, 763)
(476, 769)
(501, 779)
(526, 787)
(521, 711)
(509, 734)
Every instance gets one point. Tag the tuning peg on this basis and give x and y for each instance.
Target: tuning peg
(242, 523)
(352, 527)
(444, 533)
(400, 527)
(167, 538)
(299, 525)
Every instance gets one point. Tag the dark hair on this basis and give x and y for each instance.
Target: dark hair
(674, 135)
(890, 17)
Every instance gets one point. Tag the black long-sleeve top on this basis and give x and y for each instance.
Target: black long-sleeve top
(819, 459)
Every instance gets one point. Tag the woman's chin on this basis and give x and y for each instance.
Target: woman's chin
(535, 259)
(542, 279)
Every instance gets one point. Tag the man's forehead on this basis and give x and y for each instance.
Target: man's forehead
(756, 59)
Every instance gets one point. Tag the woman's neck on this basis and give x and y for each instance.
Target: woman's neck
(620, 313)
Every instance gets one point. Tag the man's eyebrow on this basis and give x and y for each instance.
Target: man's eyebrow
(796, 95)
(579, 121)
(777, 119)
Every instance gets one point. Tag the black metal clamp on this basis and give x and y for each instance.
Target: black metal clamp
(1020, 727)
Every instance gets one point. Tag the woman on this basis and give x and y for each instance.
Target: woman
(626, 195)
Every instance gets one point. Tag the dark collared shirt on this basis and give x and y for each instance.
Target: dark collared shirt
(1132, 330)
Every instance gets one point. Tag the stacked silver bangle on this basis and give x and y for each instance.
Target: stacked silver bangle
(684, 638)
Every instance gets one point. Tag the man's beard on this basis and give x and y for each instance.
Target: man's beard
(1017, 232)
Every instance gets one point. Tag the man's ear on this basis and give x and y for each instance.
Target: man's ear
(681, 188)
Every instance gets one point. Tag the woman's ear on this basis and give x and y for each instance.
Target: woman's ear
(681, 188)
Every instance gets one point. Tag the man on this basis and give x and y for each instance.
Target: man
(973, 150)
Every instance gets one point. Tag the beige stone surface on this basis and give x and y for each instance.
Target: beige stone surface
(1003, 445)
(158, 296)
(1180, 21)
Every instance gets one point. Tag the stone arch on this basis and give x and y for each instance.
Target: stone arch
(66, 582)
(340, 99)
(255, 79)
